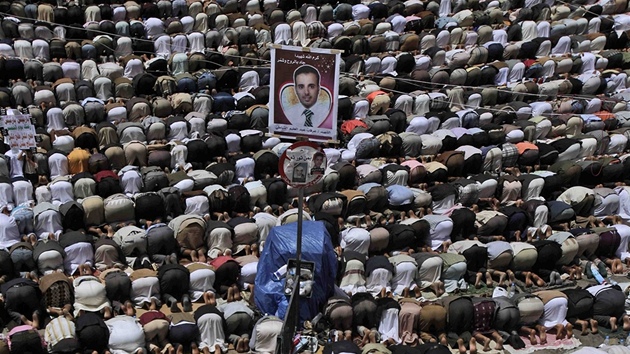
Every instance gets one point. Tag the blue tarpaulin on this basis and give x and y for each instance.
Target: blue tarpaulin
(280, 246)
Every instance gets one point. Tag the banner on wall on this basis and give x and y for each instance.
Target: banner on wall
(304, 91)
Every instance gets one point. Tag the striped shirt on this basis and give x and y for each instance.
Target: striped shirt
(59, 329)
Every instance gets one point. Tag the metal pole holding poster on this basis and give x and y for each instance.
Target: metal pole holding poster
(301, 165)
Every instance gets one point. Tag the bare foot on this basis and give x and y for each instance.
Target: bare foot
(478, 280)
(511, 276)
(569, 329)
(613, 324)
(560, 331)
(584, 327)
(543, 337)
(473, 346)
(501, 278)
(528, 280)
(594, 326)
(486, 345)
(489, 282)
(499, 345)
(532, 337)
(461, 346)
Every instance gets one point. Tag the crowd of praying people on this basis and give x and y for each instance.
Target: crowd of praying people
(482, 148)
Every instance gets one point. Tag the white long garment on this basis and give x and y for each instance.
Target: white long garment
(89, 70)
(71, 69)
(445, 8)
(355, 239)
(42, 194)
(624, 202)
(55, 119)
(22, 192)
(9, 233)
(48, 221)
(588, 63)
(41, 50)
(562, 47)
(145, 289)
(197, 42)
(624, 232)
(23, 49)
(300, 33)
(77, 254)
(131, 182)
(282, 34)
(123, 47)
(201, 280)
(541, 216)
(248, 274)
(441, 206)
(61, 192)
(500, 36)
(179, 44)
(441, 232)
(178, 131)
(162, 47)
(606, 205)
(418, 125)
(529, 30)
(517, 72)
(265, 334)
(405, 277)
(7, 50)
(58, 164)
(197, 205)
(126, 335)
(555, 313)
(377, 280)
(179, 64)
(134, 67)
(265, 222)
(388, 327)
(211, 332)
(543, 29)
(430, 271)
(6, 196)
(244, 168)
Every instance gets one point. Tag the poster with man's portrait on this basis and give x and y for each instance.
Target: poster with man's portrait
(304, 92)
